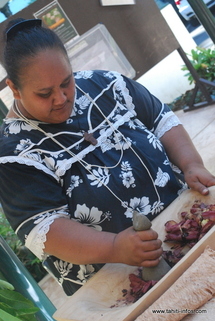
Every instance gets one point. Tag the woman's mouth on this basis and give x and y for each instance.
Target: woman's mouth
(60, 107)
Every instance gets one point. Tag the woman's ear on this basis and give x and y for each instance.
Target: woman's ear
(15, 90)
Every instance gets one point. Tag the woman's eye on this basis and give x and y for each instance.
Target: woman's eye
(44, 95)
(66, 84)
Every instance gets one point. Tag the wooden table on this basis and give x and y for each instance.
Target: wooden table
(94, 300)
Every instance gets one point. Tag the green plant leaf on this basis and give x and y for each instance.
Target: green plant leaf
(16, 300)
(203, 61)
(28, 318)
(16, 305)
(4, 316)
(6, 285)
(28, 259)
(7, 308)
(28, 311)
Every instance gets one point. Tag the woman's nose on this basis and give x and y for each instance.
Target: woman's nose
(60, 97)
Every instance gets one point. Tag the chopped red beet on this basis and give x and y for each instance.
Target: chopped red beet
(139, 286)
(194, 225)
(209, 214)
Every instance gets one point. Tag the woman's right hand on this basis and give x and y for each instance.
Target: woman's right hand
(138, 248)
(79, 244)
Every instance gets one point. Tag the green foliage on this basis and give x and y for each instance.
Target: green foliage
(32, 263)
(8, 234)
(5, 285)
(184, 100)
(203, 60)
(14, 306)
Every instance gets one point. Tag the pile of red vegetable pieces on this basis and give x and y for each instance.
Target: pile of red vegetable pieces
(138, 287)
(194, 225)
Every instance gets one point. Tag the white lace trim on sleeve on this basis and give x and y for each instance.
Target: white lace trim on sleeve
(168, 121)
(37, 237)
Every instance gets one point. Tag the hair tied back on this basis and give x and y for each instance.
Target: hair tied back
(21, 25)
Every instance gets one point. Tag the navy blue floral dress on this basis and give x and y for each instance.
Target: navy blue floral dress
(97, 185)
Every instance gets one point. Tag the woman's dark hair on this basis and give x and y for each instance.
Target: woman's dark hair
(23, 44)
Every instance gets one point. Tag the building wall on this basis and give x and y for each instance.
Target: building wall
(166, 80)
(141, 32)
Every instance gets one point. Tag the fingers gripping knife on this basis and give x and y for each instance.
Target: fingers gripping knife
(142, 223)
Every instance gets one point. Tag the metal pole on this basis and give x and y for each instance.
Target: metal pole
(205, 17)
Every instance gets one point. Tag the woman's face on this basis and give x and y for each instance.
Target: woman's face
(47, 88)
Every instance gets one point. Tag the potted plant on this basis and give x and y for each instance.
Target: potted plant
(13, 305)
(203, 60)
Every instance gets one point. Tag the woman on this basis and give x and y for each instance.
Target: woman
(79, 153)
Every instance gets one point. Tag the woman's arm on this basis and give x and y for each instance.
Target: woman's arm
(183, 154)
(74, 242)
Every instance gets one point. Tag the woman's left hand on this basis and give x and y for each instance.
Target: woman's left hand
(182, 152)
(199, 178)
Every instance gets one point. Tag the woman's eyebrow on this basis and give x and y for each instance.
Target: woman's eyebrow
(49, 88)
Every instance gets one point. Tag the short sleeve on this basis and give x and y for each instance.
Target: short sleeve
(26, 194)
(154, 114)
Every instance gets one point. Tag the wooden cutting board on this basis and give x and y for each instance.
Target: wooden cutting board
(94, 300)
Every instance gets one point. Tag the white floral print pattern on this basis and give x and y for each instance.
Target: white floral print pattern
(157, 207)
(140, 205)
(64, 268)
(16, 126)
(85, 74)
(162, 178)
(121, 142)
(91, 217)
(127, 175)
(83, 102)
(75, 182)
(23, 144)
(85, 272)
(154, 141)
(99, 177)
